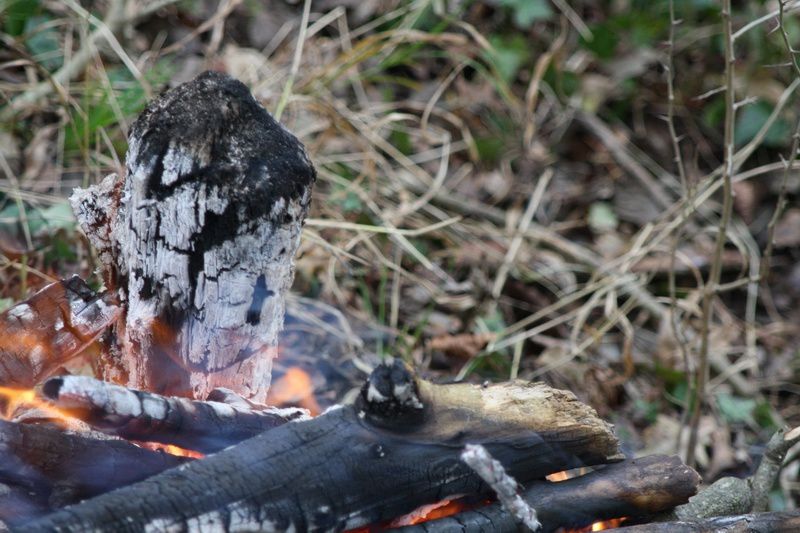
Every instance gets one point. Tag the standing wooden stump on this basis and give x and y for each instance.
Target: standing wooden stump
(198, 239)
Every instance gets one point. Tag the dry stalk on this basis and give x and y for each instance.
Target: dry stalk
(709, 290)
(677, 332)
(787, 164)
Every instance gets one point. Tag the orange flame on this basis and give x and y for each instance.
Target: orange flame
(16, 398)
(294, 388)
(171, 449)
(607, 524)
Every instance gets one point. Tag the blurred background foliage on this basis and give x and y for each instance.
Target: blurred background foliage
(498, 195)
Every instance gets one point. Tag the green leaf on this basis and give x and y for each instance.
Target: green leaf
(5, 303)
(40, 221)
(58, 216)
(735, 409)
(752, 118)
(602, 217)
(17, 12)
(526, 12)
(508, 54)
(43, 44)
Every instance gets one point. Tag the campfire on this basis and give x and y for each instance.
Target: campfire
(151, 406)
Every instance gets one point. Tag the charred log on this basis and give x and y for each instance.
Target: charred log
(50, 467)
(748, 523)
(634, 488)
(206, 427)
(199, 238)
(396, 448)
(39, 335)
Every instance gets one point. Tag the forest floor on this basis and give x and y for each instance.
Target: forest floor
(507, 188)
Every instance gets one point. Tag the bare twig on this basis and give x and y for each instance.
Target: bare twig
(787, 163)
(493, 473)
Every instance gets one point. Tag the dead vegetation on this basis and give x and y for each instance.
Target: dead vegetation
(584, 195)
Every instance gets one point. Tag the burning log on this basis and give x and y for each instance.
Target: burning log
(203, 426)
(52, 326)
(757, 522)
(198, 239)
(48, 467)
(395, 449)
(633, 488)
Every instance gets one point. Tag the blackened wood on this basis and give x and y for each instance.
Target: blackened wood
(397, 448)
(199, 238)
(777, 522)
(632, 488)
(39, 335)
(18, 504)
(204, 426)
(55, 467)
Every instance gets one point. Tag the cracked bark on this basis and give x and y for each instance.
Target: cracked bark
(40, 334)
(198, 240)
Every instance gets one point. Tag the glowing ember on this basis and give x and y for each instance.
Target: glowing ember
(294, 388)
(558, 476)
(433, 511)
(16, 398)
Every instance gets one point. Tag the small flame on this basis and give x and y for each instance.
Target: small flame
(16, 398)
(607, 524)
(170, 449)
(182, 452)
(294, 388)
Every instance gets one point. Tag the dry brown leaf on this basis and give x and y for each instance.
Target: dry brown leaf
(464, 346)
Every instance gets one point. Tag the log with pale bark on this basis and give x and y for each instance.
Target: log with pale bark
(633, 488)
(204, 426)
(198, 239)
(396, 448)
(51, 327)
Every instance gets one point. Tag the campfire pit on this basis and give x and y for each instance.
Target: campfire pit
(197, 243)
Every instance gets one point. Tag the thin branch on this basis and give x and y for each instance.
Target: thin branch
(493, 473)
(715, 271)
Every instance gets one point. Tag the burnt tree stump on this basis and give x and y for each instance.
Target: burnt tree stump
(198, 239)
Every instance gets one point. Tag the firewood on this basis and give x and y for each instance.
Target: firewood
(204, 426)
(396, 448)
(53, 467)
(19, 503)
(198, 239)
(775, 522)
(39, 335)
(632, 488)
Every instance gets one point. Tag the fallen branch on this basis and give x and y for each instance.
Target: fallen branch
(206, 426)
(632, 488)
(56, 467)
(758, 522)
